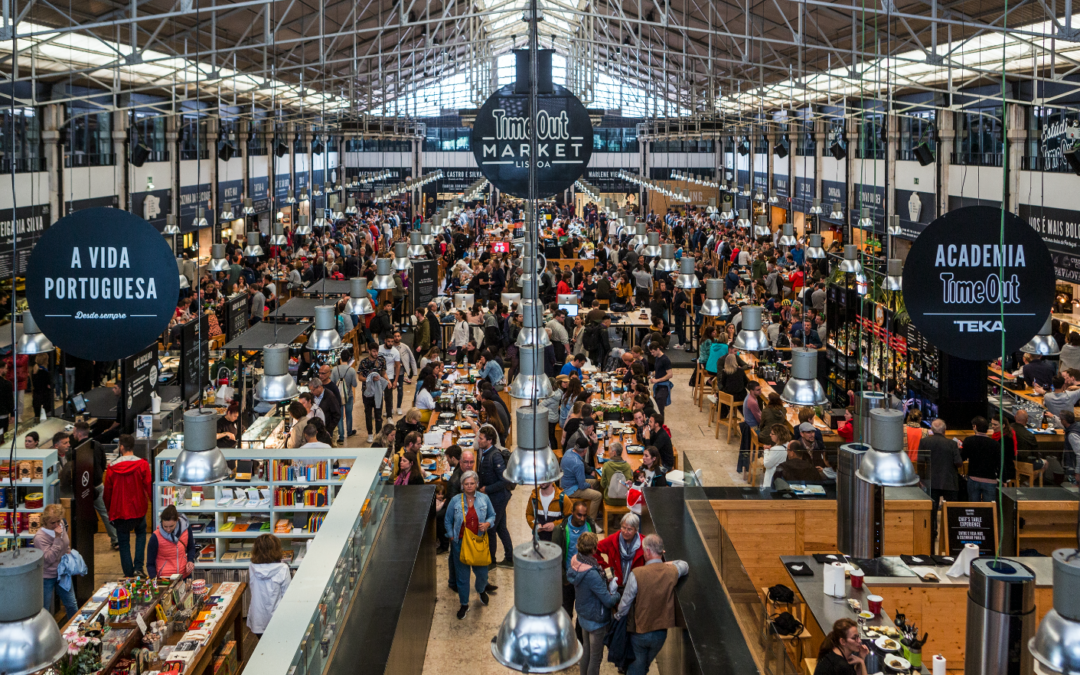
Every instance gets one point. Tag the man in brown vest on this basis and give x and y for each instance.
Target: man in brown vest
(653, 587)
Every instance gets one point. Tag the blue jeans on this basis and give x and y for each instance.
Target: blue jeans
(646, 647)
(981, 492)
(66, 597)
(463, 571)
(99, 506)
(345, 427)
(124, 528)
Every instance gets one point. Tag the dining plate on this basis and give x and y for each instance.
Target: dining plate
(887, 644)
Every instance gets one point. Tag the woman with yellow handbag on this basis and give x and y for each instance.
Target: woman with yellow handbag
(468, 518)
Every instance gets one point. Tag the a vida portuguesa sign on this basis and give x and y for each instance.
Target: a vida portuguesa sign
(501, 141)
(102, 284)
(966, 290)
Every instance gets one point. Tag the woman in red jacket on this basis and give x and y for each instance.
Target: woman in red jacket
(622, 551)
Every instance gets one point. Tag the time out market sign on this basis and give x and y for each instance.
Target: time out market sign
(503, 130)
(102, 284)
(969, 287)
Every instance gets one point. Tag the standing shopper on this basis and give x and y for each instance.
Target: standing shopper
(171, 550)
(984, 457)
(650, 593)
(127, 496)
(593, 602)
(374, 367)
(496, 489)
(344, 376)
(469, 516)
(268, 579)
(54, 543)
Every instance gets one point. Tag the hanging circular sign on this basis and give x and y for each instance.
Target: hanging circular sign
(501, 134)
(102, 284)
(963, 288)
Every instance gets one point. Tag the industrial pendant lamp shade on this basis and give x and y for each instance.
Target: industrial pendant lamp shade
(850, 263)
(762, 230)
(276, 384)
(401, 256)
(170, 225)
(303, 227)
(227, 212)
(533, 333)
(537, 635)
(384, 270)
(894, 226)
(714, 304)
(253, 249)
(815, 251)
(744, 219)
(1055, 644)
(865, 221)
(837, 211)
(531, 382)
(652, 248)
(200, 462)
(815, 209)
(426, 236)
(746, 190)
(687, 279)
(886, 463)
(278, 237)
(1042, 344)
(667, 262)
(894, 279)
(350, 208)
(325, 337)
(200, 219)
(30, 640)
(533, 462)
(641, 238)
(751, 337)
(802, 388)
(218, 261)
(32, 341)
(359, 302)
(788, 237)
(320, 220)
(184, 283)
(249, 208)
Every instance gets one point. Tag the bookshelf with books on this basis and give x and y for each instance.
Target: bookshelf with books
(286, 493)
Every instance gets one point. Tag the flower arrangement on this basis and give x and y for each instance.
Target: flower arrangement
(83, 657)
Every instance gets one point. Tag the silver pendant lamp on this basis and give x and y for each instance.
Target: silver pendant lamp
(687, 279)
(894, 226)
(278, 237)
(253, 248)
(788, 237)
(325, 337)
(815, 251)
(744, 219)
(886, 463)
(762, 230)
(320, 219)
(350, 208)
(894, 278)
(170, 225)
(218, 261)
(837, 211)
(30, 640)
(641, 236)
(1055, 643)
(751, 337)
(714, 304)
(427, 238)
(32, 341)
(652, 248)
(533, 333)
(1043, 343)
(200, 219)
(401, 256)
(865, 221)
(303, 227)
(249, 208)
(384, 269)
(802, 388)
(200, 462)
(227, 212)
(667, 261)
(531, 382)
(815, 209)
(276, 384)
(359, 302)
(850, 264)
(532, 462)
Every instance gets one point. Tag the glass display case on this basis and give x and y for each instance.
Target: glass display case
(266, 432)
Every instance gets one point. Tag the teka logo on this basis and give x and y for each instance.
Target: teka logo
(980, 326)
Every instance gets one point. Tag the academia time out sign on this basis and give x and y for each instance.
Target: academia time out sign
(102, 284)
(968, 284)
(501, 141)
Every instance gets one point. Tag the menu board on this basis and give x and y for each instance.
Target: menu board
(424, 282)
(236, 316)
(971, 523)
(138, 377)
(194, 369)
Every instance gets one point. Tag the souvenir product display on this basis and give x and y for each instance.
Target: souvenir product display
(119, 602)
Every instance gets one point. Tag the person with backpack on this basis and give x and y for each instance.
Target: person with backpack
(547, 509)
(597, 343)
(497, 489)
(615, 491)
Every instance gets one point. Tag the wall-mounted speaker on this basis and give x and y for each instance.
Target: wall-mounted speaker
(225, 151)
(924, 154)
(281, 149)
(780, 150)
(139, 154)
(837, 151)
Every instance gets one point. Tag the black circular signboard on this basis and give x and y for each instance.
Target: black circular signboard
(500, 141)
(954, 285)
(102, 284)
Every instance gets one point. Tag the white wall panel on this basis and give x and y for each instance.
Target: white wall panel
(975, 182)
(31, 189)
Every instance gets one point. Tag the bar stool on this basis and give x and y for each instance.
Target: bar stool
(755, 453)
(798, 610)
(699, 385)
(731, 420)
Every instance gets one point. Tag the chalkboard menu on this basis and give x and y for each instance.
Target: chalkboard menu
(971, 523)
(236, 316)
(194, 371)
(424, 282)
(138, 377)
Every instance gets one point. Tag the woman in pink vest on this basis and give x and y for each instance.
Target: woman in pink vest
(171, 549)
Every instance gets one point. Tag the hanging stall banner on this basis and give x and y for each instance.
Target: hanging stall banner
(258, 191)
(804, 194)
(424, 282)
(501, 140)
(1060, 229)
(138, 378)
(102, 284)
(964, 288)
(30, 222)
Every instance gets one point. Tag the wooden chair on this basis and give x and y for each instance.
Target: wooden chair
(755, 453)
(809, 665)
(798, 610)
(731, 420)
(608, 510)
(217, 342)
(1027, 470)
(699, 385)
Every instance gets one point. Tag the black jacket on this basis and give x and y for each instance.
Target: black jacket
(403, 429)
(331, 407)
(491, 469)
(382, 324)
(662, 442)
(436, 327)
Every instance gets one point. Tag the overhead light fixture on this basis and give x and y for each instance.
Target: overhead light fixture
(249, 209)
(351, 208)
(384, 279)
(850, 264)
(227, 212)
(815, 251)
(531, 383)
(218, 260)
(533, 333)
(751, 338)
(773, 199)
(894, 278)
(641, 236)
(316, 190)
(894, 226)
(667, 262)
(401, 256)
(277, 238)
(687, 279)
(170, 225)
(320, 220)
(200, 219)
(32, 341)
(865, 221)
(714, 304)
(815, 210)
(30, 640)
(303, 228)
(281, 149)
(416, 249)
(802, 388)
(289, 198)
(254, 248)
(788, 237)
(1054, 644)
(744, 219)
(759, 195)
(325, 337)
(276, 384)
(837, 212)
(762, 229)
(836, 149)
(652, 248)
(304, 195)
(923, 154)
(535, 463)
(359, 301)
(745, 190)
(1042, 343)
(139, 154)
(886, 463)
(200, 462)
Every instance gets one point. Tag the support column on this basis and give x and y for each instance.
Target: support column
(172, 145)
(290, 140)
(119, 148)
(851, 131)
(213, 132)
(820, 136)
(50, 134)
(892, 144)
(1017, 136)
(946, 134)
(266, 132)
